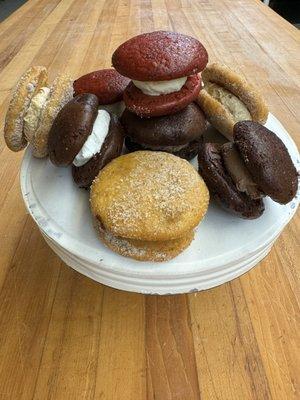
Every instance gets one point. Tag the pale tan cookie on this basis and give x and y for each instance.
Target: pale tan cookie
(61, 92)
(228, 98)
(144, 250)
(28, 85)
(149, 196)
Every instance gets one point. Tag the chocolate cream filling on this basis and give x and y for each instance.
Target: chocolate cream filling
(238, 171)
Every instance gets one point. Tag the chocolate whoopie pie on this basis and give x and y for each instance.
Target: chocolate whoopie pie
(268, 160)
(111, 148)
(71, 128)
(179, 134)
(239, 174)
(187, 152)
(86, 137)
(221, 185)
(163, 67)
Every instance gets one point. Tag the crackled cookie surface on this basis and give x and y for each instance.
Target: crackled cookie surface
(152, 196)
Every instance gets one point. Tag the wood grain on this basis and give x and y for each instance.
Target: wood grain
(171, 364)
(63, 336)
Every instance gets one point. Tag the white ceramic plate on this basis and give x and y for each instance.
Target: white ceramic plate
(224, 246)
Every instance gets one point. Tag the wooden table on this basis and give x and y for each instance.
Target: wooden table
(63, 336)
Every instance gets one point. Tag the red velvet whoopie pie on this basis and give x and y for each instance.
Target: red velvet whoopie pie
(163, 67)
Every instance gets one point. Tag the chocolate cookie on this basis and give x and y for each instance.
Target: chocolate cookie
(160, 55)
(222, 187)
(176, 129)
(111, 148)
(188, 152)
(267, 159)
(107, 84)
(153, 106)
(71, 127)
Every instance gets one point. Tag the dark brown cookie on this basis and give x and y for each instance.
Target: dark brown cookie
(107, 84)
(267, 159)
(160, 55)
(221, 186)
(169, 130)
(111, 148)
(71, 127)
(153, 106)
(188, 152)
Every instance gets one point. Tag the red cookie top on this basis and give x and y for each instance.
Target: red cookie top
(153, 106)
(160, 55)
(107, 84)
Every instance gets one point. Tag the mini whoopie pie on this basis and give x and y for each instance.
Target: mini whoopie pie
(147, 204)
(179, 134)
(86, 137)
(241, 173)
(163, 67)
(228, 98)
(108, 85)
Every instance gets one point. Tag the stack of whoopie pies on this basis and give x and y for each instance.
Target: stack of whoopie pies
(160, 111)
(146, 204)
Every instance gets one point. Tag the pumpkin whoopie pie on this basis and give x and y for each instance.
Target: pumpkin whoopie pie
(147, 204)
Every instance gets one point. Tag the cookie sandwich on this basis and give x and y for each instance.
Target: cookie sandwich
(108, 85)
(86, 137)
(240, 174)
(164, 70)
(147, 204)
(228, 98)
(179, 133)
(32, 109)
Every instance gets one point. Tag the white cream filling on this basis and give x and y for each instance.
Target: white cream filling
(155, 88)
(95, 140)
(34, 111)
